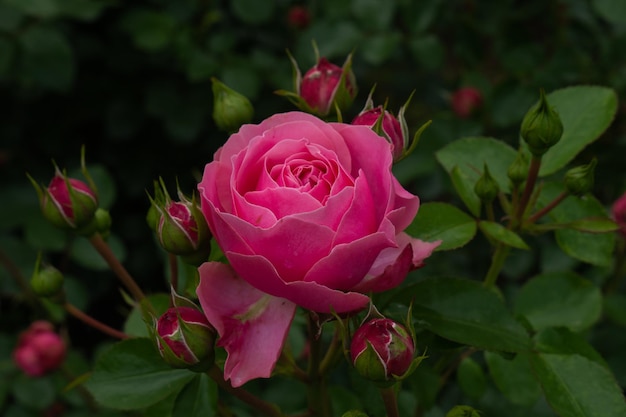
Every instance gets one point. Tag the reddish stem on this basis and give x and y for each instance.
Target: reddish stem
(87, 319)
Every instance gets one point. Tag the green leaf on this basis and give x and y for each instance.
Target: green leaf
(586, 112)
(43, 235)
(559, 299)
(611, 10)
(577, 387)
(471, 378)
(47, 58)
(594, 225)
(465, 312)
(151, 30)
(197, 399)
(36, 393)
(135, 325)
(501, 234)
(86, 10)
(464, 188)
(253, 11)
(514, 378)
(615, 308)
(565, 342)
(132, 375)
(44, 9)
(592, 248)
(445, 222)
(470, 155)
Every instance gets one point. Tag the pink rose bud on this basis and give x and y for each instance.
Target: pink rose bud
(324, 88)
(180, 226)
(68, 203)
(388, 127)
(619, 213)
(39, 349)
(298, 17)
(185, 338)
(465, 100)
(323, 85)
(382, 349)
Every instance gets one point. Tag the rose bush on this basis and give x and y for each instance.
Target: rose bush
(308, 214)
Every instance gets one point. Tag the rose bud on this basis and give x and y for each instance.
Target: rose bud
(392, 128)
(67, 203)
(579, 180)
(39, 349)
(230, 108)
(463, 411)
(486, 187)
(382, 349)
(46, 282)
(181, 228)
(323, 88)
(518, 170)
(298, 17)
(465, 101)
(619, 213)
(185, 338)
(541, 127)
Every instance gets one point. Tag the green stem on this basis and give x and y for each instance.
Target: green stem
(533, 173)
(390, 400)
(497, 262)
(263, 407)
(318, 401)
(107, 254)
(489, 211)
(19, 279)
(87, 319)
(545, 210)
(334, 350)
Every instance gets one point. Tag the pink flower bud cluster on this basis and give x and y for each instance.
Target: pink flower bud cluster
(39, 349)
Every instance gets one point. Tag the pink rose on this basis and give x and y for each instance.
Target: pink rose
(39, 349)
(308, 213)
(618, 210)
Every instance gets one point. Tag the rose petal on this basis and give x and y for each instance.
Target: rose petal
(252, 325)
(393, 264)
(310, 295)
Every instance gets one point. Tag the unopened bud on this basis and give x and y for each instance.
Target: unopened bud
(382, 350)
(185, 338)
(518, 170)
(486, 187)
(230, 108)
(323, 88)
(541, 127)
(579, 180)
(618, 211)
(47, 282)
(463, 411)
(39, 350)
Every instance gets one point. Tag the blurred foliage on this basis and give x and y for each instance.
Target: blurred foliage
(132, 81)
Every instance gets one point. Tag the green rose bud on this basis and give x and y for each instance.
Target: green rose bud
(463, 411)
(230, 108)
(541, 127)
(486, 187)
(518, 170)
(579, 180)
(47, 282)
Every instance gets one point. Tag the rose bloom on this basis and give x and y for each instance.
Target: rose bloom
(39, 349)
(618, 210)
(308, 214)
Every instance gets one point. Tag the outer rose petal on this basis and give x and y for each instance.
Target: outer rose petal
(252, 325)
(393, 264)
(309, 295)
